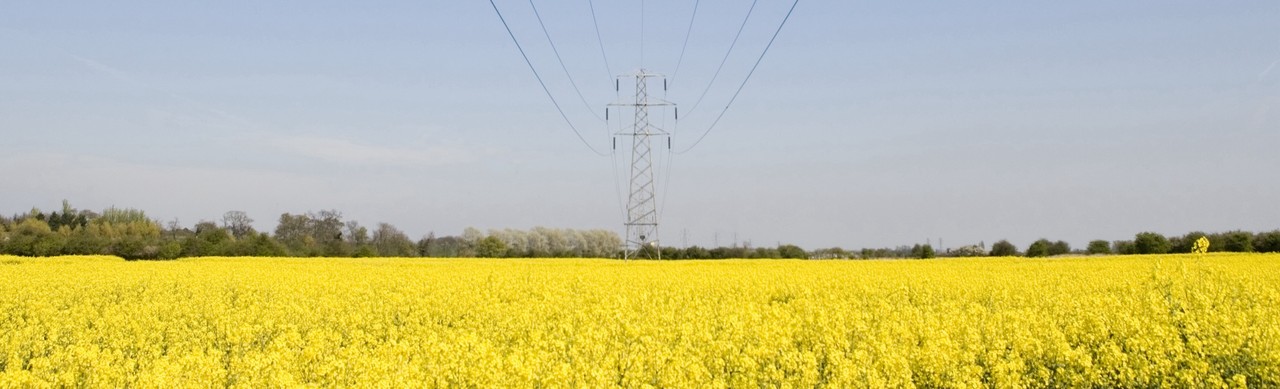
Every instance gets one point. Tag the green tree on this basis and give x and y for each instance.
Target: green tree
(447, 247)
(924, 251)
(1267, 242)
(1003, 249)
(137, 239)
(790, 251)
(763, 252)
(32, 237)
(1150, 243)
(1099, 247)
(1039, 248)
(69, 217)
(357, 240)
(170, 249)
(1237, 241)
(294, 232)
(1124, 247)
(1059, 248)
(696, 252)
(262, 245)
(491, 247)
(1185, 243)
(391, 242)
(208, 240)
(88, 240)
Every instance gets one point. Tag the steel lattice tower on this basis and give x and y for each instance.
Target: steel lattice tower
(642, 208)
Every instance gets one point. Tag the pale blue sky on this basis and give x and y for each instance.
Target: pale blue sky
(868, 124)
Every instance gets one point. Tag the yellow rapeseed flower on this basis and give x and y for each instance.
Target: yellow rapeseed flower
(1116, 321)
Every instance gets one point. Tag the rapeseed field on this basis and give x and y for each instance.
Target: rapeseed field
(1128, 321)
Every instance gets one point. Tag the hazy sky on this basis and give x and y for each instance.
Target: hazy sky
(869, 124)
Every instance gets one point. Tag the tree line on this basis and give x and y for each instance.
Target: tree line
(131, 234)
(1142, 243)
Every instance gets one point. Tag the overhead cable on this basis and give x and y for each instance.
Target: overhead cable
(726, 57)
(687, 32)
(744, 80)
(608, 70)
(562, 66)
(543, 84)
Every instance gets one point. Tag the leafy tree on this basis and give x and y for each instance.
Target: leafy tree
(1267, 242)
(696, 252)
(922, 251)
(491, 247)
(69, 217)
(1237, 241)
(1099, 247)
(356, 234)
(449, 247)
(790, 251)
(313, 234)
(424, 244)
(729, 252)
(86, 241)
(1124, 247)
(121, 216)
(294, 232)
(128, 233)
(1150, 243)
(391, 242)
(32, 237)
(358, 240)
(364, 251)
(326, 229)
(1059, 248)
(830, 253)
(1039, 248)
(262, 245)
(170, 250)
(1003, 249)
(1184, 244)
(209, 240)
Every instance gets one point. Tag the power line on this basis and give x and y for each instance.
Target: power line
(726, 57)
(540, 82)
(687, 33)
(562, 66)
(744, 80)
(608, 70)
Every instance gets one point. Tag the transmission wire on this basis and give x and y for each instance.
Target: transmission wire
(744, 80)
(666, 185)
(608, 70)
(725, 59)
(543, 84)
(687, 33)
(562, 66)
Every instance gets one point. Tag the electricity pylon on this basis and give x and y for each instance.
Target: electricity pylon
(642, 208)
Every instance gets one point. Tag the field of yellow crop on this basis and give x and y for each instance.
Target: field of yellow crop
(1142, 321)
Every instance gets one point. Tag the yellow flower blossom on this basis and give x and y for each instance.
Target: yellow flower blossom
(1121, 321)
